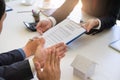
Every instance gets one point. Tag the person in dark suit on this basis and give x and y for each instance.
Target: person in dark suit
(15, 66)
(103, 13)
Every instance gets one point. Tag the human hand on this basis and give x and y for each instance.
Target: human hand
(51, 69)
(31, 46)
(43, 26)
(91, 23)
(61, 48)
(41, 52)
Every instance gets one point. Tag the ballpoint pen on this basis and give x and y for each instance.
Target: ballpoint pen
(23, 11)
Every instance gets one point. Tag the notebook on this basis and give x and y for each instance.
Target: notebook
(115, 45)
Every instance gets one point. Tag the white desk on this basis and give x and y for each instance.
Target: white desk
(95, 47)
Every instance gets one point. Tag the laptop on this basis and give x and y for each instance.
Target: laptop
(115, 45)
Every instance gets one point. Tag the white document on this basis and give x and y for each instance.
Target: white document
(66, 31)
(115, 45)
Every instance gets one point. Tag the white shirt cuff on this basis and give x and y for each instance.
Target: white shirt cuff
(32, 66)
(99, 24)
(52, 20)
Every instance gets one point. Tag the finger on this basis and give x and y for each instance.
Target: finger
(30, 40)
(61, 51)
(61, 48)
(92, 23)
(39, 24)
(61, 56)
(42, 42)
(90, 26)
(88, 29)
(48, 57)
(38, 27)
(58, 62)
(53, 57)
(45, 25)
(38, 70)
(83, 25)
(58, 45)
(56, 58)
(46, 28)
(35, 37)
(39, 30)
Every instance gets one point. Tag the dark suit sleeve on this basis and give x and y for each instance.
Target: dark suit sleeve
(119, 15)
(10, 57)
(109, 20)
(17, 71)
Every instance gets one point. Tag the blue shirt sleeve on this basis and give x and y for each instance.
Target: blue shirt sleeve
(22, 52)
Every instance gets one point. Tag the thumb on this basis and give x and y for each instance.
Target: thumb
(83, 25)
(40, 31)
(42, 42)
(38, 70)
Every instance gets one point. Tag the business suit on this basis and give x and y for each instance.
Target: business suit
(105, 10)
(14, 67)
(119, 15)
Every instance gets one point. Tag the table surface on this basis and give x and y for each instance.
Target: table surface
(93, 47)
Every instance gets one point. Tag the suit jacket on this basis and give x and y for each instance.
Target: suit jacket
(14, 67)
(119, 15)
(105, 10)
(2, 78)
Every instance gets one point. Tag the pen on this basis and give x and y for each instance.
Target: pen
(23, 11)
